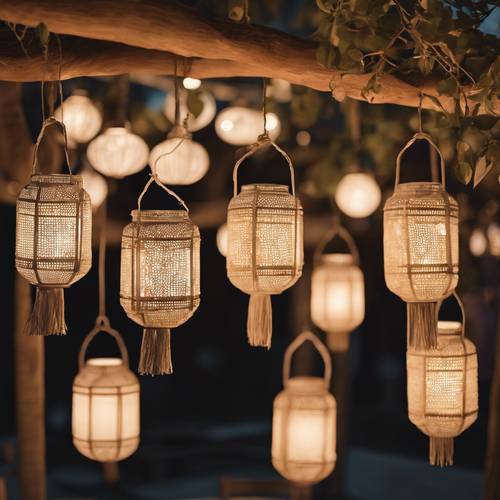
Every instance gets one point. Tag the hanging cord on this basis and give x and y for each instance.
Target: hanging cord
(176, 95)
(154, 178)
(433, 158)
(264, 134)
(102, 318)
(59, 80)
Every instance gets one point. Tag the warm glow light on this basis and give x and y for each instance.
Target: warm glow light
(82, 118)
(303, 138)
(493, 232)
(191, 83)
(281, 90)
(194, 123)
(106, 410)
(241, 126)
(358, 194)
(186, 163)
(478, 243)
(95, 185)
(222, 239)
(118, 153)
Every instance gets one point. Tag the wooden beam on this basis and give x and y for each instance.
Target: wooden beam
(211, 48)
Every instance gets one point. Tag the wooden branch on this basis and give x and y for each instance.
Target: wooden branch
(213, 48)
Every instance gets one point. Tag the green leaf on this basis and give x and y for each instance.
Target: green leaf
(43, 34)
(194, 103)
(447, 87)
(485, 122)
(326, 55)
(481, 170)
(463, 171)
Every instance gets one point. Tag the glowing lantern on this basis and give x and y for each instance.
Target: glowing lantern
(358, 194)
(443, 389)
(222, 239)
(179, 160)
(106, 404)
(304, 422)
(160, 277)
(241, 126)
(493, 233)
(478, 243)
(118, 153)
(265, 246)
(194, 123)
(82, 118)
(421, 249)
(337, 291)
(95, 185)
(53, 241)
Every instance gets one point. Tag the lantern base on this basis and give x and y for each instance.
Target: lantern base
(260, 321)
(441, 451)
(422, 325)
(155, 356)
(47, 316)
(338, 341)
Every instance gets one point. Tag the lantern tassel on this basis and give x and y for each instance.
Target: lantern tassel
(422, 325)
(155, 356)
(260, 321)
(47, 316)
(338, 341)
(441, 451)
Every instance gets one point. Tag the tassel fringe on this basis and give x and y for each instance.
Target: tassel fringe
(338, 341)
(422, 325)
(155, 356)
(441, 451)
(47, 316)
(260, 321)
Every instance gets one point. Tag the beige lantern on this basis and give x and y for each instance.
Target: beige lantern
(106, 404)
(443, 388)
(358, 194)
(160, 277)
(265, 245)
(337, 291)
(421, 248)
(53, 240)
(304, 421)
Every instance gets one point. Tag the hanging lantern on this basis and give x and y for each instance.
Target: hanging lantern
(358, 194)
(194, 123)
(239, 126)
(443, 388)
(421, 248)
(478, 243)
(95, 185)
(82, 117)
(304, 422)
(160, 277)
(118, 153)
(222, 239)
(179, 160)
(265, 245)
(337, 291)
(53, 240)
(106, 404)
(493, 233)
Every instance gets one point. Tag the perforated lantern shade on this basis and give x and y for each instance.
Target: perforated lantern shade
(304, 421)
(443, 390)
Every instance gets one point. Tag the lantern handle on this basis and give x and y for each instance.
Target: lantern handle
(261, 141)
(47, 123)
(342, 233)
(415, 138)
(320, 347)
(154, 178)
(460, 304)
(102, 325)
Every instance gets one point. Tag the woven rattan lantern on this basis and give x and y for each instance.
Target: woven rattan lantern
(265, 246)
(160, 277)
(53, 240)
(304, 422)
(337, 291)
(421, 248)
(443, 389)
(106, 404)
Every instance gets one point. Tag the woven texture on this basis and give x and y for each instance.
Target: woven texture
(160, 268)
(53, 230)
(421, 242)
(265, 241)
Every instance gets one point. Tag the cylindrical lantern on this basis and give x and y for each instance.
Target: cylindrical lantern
(265, 246)
(81, 117)
(106, 404)
(337, 291)
(53, 240)
(358, 194)
(304, 422)
(118, 153)
(240, 126)
(179, 160)
(160, 278)
(193, 123)
(443, 388)
(421, 248)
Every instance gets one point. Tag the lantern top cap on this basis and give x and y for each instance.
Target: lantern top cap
(72, 179)
(104, 362)
(306, 385)
(449, 327)
(420, 186)
(265, 186)
(159, 215)
(337, 258)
